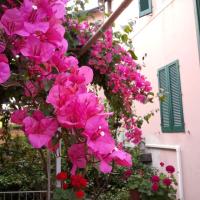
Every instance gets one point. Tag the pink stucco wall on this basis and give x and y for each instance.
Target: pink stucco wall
(170, 34)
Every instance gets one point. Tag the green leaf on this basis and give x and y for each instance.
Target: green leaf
(133, 54)
(124, 38)
(127, 29)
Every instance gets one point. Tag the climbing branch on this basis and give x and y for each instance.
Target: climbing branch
(105, 26)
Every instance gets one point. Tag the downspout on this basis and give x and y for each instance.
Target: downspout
(179, 164)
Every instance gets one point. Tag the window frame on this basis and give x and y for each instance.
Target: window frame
(172, 128)
(147, 11)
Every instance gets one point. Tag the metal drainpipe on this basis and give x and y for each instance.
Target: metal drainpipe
(179, 164)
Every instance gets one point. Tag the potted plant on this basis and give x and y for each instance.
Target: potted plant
(147, 183)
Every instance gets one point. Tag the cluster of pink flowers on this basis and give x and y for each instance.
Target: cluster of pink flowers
(124, 78)
(35, 36)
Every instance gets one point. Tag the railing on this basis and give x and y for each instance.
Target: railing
(23, 195)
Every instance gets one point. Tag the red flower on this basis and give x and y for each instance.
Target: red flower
(155, 187)
(78, 181)
(65, 186)
(167, 181)
(155, 179)
(127, 174)
(170, 169)
(79, 194)
(61, 176)
(162, 164)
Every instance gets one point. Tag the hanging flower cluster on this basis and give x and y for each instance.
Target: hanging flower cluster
(59, 104)
(119, 72)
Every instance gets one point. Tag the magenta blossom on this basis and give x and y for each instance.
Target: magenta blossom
(4, 69)
(12, 22)
(37, 50)
(99, 139)
(30, 89)
(77, 156)
(39, 129)
(33, 18)
(78, 110)
(18, 116)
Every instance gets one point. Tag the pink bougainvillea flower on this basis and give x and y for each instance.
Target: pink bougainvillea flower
(77, 156)
(18, 116)
(99, 139)
(78, 110)
(12, 22)
(60, 61)
(87, 73)
(121, 158)
(58, 96)
(33, 18)
(2, 46)
(104, 167)
(72, 62)
(55, 8)
(39, 129)
(66, 85)
(31, 89)
(4, 69)
(37, 50)
(54, 34)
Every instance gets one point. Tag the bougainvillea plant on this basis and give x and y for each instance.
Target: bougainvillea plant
(51, 90)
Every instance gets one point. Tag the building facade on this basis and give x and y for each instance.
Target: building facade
(167, 40)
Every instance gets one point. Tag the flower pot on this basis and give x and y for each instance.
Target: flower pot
(134, 194)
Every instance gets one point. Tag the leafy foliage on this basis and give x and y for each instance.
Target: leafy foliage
(21, 167)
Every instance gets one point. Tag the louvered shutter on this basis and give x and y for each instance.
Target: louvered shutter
(171, 108)
(176, 98)
(198, 12)
(145, 7)
(165, 110)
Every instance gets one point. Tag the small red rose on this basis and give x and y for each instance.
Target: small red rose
(155, 179)
(167, 181)
(65, 186)
(78, 181)
(79, 194)
(61, 176)
(170, 169)
(127, 174)
(155, 187)
(162, 164)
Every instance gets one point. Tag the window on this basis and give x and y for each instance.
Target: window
(171, 109)
(145, 7)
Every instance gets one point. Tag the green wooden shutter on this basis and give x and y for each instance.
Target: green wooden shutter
(165, 110)
(198, 12)
(171, 108)
(176, 98)
(145, 7)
